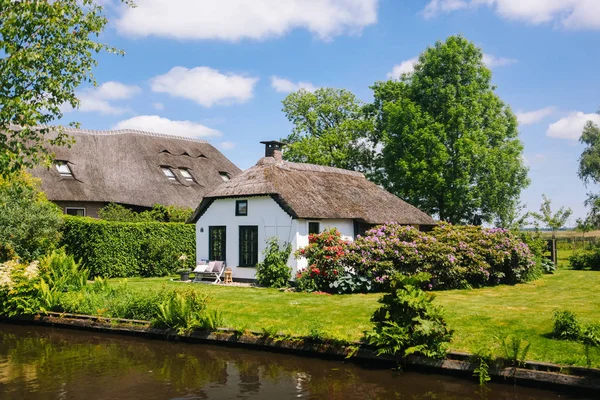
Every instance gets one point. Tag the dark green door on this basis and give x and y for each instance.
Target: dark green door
(216, 243)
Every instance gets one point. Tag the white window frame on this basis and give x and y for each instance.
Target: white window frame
(224, 176)
(190, 177)
(76, 208)
(169, 173)
(66, 172)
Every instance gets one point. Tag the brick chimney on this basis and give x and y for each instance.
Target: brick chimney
(273, 149)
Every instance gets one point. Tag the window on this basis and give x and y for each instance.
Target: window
(76, 211)
(217, 235)
(248, 246)
(224, 176)
(314, 228)
(168, 173)
(241, 208)
(63, 169)
(187, 174)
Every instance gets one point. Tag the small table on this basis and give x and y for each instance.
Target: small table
(228, 278)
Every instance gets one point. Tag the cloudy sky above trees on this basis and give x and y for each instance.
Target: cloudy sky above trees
(219, 69)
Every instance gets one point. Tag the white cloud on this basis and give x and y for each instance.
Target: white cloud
(408, 66)
(234, 20)
(531, 117)
(572, 14)
(534, 161)
(158, 106)
(204, 85)
(405, 67)
(98, 99)
(154, 123)
(435, 7)
(492, 61)
(283, 85)
(227, 145)
(571, 126)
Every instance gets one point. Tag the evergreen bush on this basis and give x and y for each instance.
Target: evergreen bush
(120, 249)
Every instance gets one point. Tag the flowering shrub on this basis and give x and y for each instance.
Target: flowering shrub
(455, 256)
(325, 254)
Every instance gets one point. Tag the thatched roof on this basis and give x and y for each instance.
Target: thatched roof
(313, 191)
(124, 166)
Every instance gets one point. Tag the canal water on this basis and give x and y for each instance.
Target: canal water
(46, 363)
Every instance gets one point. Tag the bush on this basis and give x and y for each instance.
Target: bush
(181, 311)
(352, 283)
(566, 326)
(157, 258)
(274, 271)
(589, 260)
(408, 322)
(61, 273)
(19, 289)
(325, 256)
(119, 249)
(29, 223)
(159, 213)
(455, 256)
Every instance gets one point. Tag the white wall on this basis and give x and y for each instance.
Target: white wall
(271, 220)
(263, 212)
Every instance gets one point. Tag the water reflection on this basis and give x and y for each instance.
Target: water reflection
(45, 363)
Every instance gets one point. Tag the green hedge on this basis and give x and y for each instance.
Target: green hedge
(120, 249)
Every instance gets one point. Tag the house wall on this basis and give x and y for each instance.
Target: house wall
(271, 220)
(91, 208)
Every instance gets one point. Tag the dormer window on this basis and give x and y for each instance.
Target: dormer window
(187, 174)
(224, 176)
(63, 169)
(169, 173)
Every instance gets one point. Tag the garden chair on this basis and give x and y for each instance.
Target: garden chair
(213, 270)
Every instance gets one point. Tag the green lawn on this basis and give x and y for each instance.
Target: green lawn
(478, 316)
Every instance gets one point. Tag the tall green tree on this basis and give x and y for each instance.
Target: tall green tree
(589, 168)
(450, 144)
(329, 129)
(47, 50)
(553, 220)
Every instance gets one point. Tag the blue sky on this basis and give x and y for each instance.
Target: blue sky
(219, 70)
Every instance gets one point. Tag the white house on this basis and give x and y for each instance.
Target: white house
(276, 198)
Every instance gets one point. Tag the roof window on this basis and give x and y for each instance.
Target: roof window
(63, 169)
(224, 176)
(187, 174)
(169, 173)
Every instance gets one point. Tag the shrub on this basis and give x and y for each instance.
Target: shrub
(118, 249)
(455, 256)
(159, 213)
(325, 256)
(274, 271)
(157, 258)
(566, 325)
(181, 311)
(19, 289)
(589, 260)
(352, 283)
(29, 223)
(408, 322)
(61, 273)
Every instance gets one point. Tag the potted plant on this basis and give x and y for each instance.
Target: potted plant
(184, 274)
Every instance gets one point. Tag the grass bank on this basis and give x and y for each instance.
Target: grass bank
(478, 316)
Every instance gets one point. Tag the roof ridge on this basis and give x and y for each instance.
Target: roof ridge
(108, 132)
(322, 168)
